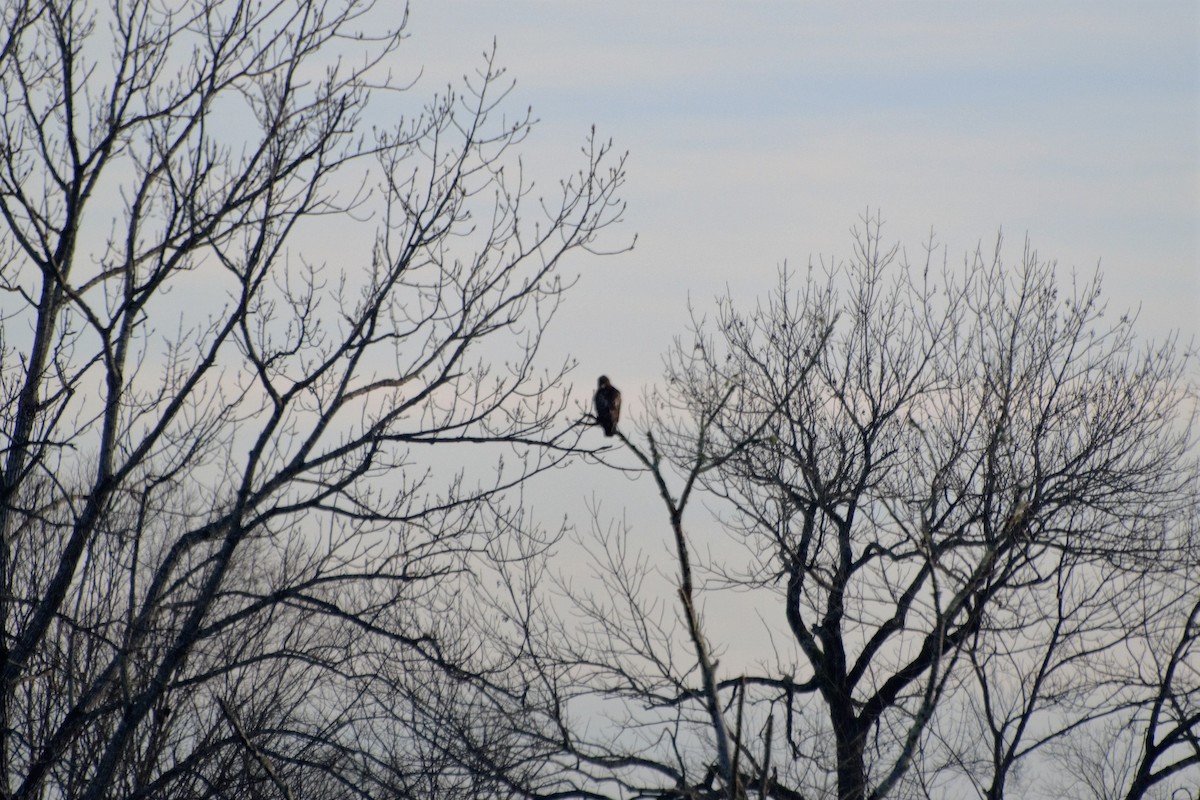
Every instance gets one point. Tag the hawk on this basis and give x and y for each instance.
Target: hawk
(608, 405)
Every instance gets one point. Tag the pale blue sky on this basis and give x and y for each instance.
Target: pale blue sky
(759, 131)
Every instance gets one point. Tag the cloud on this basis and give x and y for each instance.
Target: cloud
(759, 132)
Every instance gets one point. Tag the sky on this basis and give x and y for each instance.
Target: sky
(758, 133)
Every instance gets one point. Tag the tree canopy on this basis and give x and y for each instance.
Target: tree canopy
(236, 319)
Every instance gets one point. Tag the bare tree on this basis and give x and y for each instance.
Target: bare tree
(1167, 720)
(1148, 744)
(238, 307)
(946, 488)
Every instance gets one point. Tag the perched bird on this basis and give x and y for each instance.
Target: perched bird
(608, 405)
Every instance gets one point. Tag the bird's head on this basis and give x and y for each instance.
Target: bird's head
(603, 381)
